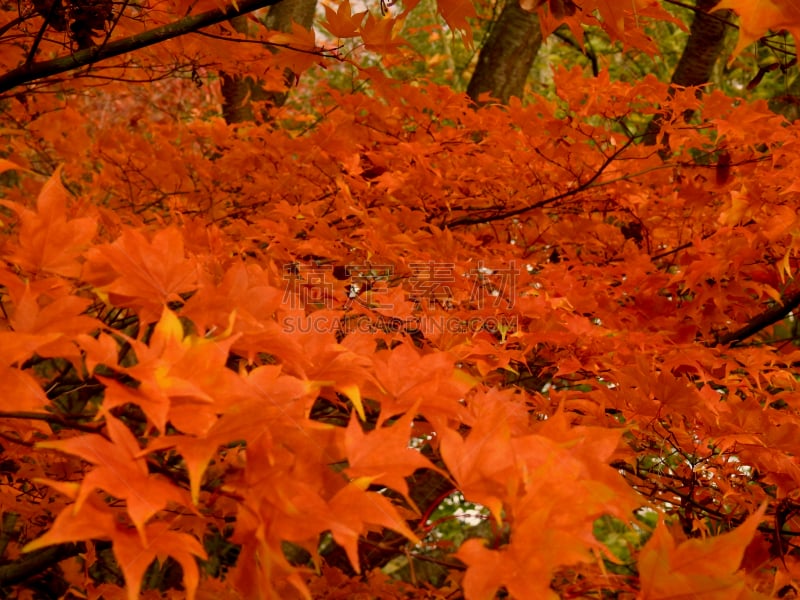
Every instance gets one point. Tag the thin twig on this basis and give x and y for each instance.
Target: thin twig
(500, 216)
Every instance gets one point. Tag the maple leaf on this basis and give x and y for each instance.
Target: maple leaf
(258, 311)
(629, 281)
(101, 349)
(333, 365)
(342, 23)
(274, 398)
(592, 449)
(483, 464)
(196, 453)
(140, 274)
(622, 19)
(614, 14)
(48, 240)
(20, 390)
(298, 50)
(377, 35)
(696, 568)
(182, 378)
(740, 207)
(537, 475)
(545, 534)
(354, 508)
(134, 553)
(757, 17)
(10, 165)
(90, 520)
(525, 569)
(17, 347)
(455, 14)
(62, 314)
(39, 317)
(120, 471)
(270, 570)
(94, 520)
(383, 455)
(407, 378)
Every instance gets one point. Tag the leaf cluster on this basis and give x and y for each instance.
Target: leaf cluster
(405, 349)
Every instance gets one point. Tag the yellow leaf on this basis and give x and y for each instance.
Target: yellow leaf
(354, 393)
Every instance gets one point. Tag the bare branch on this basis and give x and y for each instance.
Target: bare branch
(582, 187)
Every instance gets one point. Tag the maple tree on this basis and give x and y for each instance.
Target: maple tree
(386, 343)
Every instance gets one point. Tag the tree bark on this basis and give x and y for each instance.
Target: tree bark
(705, 44)
(238, 90)
(239, 93)
(703, 49)
(507, 56)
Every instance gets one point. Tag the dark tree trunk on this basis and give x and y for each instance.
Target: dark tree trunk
(239, 93)
(507, 56)
(705, 44)
(703, 49)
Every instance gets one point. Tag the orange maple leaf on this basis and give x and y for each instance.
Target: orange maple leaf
(342, 23)
(101, 349)
(61, 317)
(181, 377)
(120, 471)
(455, 14)
(333, 365)
(525, 568)
(298, 48)
(544, 535)
(140, 274)
(48, 240)
(483, 464)
(354, 508)
(20, 391)
(91, 520)
(757, 17)
(618, 15)
(134, 555)
(94, 520)
(378, 37)
(408, 378)
(383, 454)
(8, 165)
(622, 19)
(696, 568)
(273, 399)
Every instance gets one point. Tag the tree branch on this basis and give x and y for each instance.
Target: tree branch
(52, 418)
(762, 320)
(34, 71)
(502, 215)
(36, 562)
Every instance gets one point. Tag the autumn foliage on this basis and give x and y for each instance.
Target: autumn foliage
(260, 360)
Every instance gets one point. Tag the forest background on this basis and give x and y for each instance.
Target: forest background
(399, 300)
